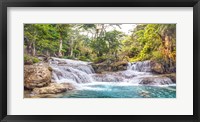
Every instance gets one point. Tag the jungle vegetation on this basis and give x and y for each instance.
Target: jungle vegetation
(95, 43)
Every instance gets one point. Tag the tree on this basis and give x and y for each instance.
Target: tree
(113, 39)
(30, 36)
(62, 29)
(92, 41)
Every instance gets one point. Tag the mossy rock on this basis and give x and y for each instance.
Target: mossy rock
(29, 60)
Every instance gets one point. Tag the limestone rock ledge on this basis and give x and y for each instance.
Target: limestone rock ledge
(53, 88)
(36, 75)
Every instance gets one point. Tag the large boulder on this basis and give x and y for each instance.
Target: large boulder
(53, 88)
(157, 67)
(36, 75)
(161, 68)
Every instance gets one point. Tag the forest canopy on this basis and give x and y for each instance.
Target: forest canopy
(100, 42)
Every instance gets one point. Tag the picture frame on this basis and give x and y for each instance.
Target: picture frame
(4, 4)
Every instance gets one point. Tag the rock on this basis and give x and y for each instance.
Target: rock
(121, 68)
(153, 66)
(47, 96)
(62, 63)
(156, 80)
(53, 88)
(42, 58)
(126, 75)
(144, 94)
(107, 78)
(28, 63)
(157, 67)
(172, 76)
(148, 81)
(114, 68)
(37, 75)
(50, 69)
(29, 94)
(104, 66)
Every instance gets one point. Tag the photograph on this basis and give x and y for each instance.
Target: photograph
(99, 60)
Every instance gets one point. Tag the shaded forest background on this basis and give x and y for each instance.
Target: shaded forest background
(95, 43)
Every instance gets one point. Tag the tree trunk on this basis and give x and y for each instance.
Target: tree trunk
(29, 48)
(47, 53)
(71, 48)
(34, 51)
(102, 29)
(60, 48)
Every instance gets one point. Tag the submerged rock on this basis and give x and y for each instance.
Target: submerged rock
(53, 88)
(37, 75)
(144, 94)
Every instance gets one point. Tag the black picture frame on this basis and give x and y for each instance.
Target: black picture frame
(99, 3)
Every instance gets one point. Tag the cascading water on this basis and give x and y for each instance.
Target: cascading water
(142, 66)
(66, 70)
(136, 81)
(144, 75)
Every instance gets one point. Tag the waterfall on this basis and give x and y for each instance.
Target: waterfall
(80, 72)
(141, 66)
(129, 67)
(143, 74)
(65, 70)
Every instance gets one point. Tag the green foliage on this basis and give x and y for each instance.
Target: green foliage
(99, 46)
(30, 59)
(149, 42)
(157, 55)
(35, 60)
(108, 44)
(68, 57)
(97, 43)
(76, 52)
(100, 59)
(83, 58)
(27, 58)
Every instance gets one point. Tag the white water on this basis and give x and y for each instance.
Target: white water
(80, 73)
(142, 66)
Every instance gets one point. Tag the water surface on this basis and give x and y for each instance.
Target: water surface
(114, 90)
